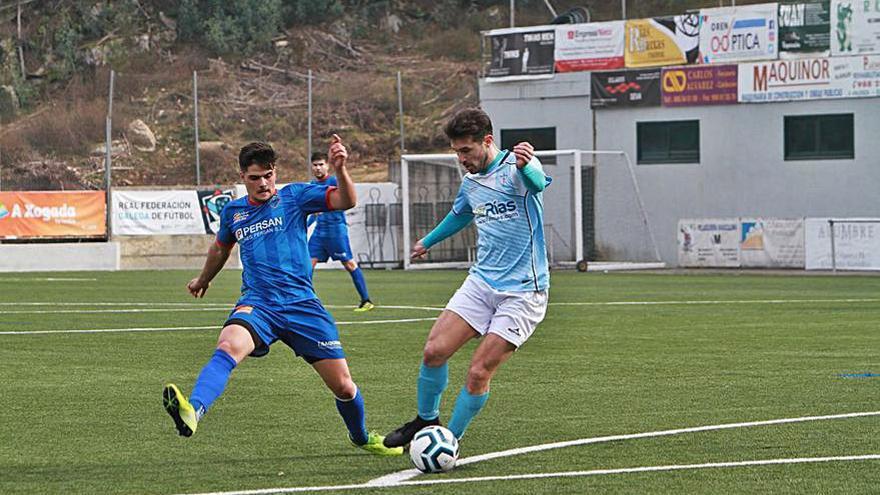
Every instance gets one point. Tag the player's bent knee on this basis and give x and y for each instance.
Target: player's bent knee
(435, 354)
(237, 351)
(478, 379)
(345, 390)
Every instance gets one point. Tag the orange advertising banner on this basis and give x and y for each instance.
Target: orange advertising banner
(53, 214)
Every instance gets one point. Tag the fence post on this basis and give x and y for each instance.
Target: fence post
(196, 126)
(833, 257)
(108, 144)
(309, 146)
(400, 112)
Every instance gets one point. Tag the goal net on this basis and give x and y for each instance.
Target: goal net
(592, 211)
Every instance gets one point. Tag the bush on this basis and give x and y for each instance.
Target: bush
(230, 27)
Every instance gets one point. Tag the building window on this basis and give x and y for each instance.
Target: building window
(819, 137)
(542, 138)
(668, 142)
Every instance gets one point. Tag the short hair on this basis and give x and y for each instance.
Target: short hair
(257, 153)
(318, 155)
(468, 122)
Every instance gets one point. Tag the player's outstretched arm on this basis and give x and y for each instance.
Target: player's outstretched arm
(217, 256)
(344, 197)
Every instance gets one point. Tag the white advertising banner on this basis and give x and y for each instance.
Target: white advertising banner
(732, 34)
(855, 27)
(772, 242)
(810, 79)
(709, 242)
(156, 212)
(856, 244)
(588, 47)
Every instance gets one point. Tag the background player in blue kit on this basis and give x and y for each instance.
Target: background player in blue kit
(277, 299)
(330, 238)
(504, 296)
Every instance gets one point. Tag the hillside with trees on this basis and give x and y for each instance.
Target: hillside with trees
(252, 59)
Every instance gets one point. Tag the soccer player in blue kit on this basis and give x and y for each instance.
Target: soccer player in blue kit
(330, 238)
(504, 296)
(277, 299)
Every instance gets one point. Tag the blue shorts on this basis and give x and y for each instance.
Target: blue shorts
(306, 327)
(338, 248)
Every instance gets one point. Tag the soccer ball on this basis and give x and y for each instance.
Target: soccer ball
(434, 449)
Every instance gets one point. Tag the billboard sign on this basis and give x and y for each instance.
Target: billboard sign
(699, 85)
(53, 214)
(522, 53)
(805, 29)
(810, 79)
(855, 27)
(588, 47)
(733, 34)
(708, 242)
(625, 88)
(671, 40)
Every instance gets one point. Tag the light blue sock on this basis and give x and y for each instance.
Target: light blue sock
(211, 382)
(355, 417)
(467, 406)
(357, 276)
(432, 383)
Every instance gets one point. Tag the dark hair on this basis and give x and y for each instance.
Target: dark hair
(318, 155)
(257, 154)
(468, 122)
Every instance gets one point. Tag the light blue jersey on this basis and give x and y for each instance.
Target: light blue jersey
(511, 253)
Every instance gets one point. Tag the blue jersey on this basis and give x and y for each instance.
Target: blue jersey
(272, 242)
(330, 224)
(511, 253)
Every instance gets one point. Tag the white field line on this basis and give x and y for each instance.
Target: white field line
(47, 279)
(215, 327)
(672, 467)
(564, 474)
(400, 476)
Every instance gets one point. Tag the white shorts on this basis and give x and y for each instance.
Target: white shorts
(513, 316)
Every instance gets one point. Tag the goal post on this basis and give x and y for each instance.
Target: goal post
(592, 211)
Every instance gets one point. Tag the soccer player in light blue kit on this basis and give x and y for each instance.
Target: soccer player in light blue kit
(504, 296)
(277, 299)
(330, 238)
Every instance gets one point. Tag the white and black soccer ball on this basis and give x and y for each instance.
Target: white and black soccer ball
(434, 449)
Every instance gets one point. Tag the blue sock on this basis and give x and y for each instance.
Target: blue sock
(357, 276)
(354, 416)
(432, 383)
(211, 382)
(467, 406)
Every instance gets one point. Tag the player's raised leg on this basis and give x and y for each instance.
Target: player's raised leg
(350, 404)
(234, 344)
(448, 334)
